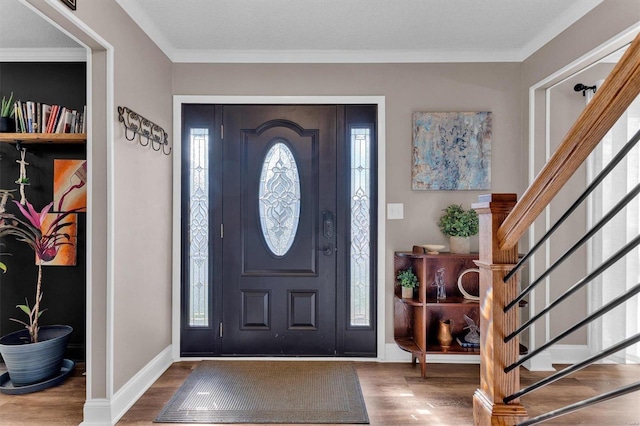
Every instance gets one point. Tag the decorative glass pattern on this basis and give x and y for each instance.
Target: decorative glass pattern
(199, 228)
(279, 198)
(360, 260)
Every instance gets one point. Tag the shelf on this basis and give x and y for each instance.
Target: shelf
(455, 300)
(451, 301)
(442, 254)
(43, 138)
(410, 302)
(407, 344)
(454, 349)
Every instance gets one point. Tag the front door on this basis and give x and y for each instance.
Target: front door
(278, 230)
(279, 277)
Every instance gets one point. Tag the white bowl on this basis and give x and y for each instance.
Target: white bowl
(433, 248)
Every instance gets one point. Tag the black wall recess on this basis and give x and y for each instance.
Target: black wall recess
(64, 287)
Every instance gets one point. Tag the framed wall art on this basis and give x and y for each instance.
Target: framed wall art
(69, 184)
(67, 253)
(451, 151)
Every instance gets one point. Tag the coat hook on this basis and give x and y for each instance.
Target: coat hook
(143, 128)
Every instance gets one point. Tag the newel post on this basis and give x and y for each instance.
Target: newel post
(495, 324)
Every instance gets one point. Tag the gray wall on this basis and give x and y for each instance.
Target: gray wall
(140, 181)
(130, 203)
(407, 88)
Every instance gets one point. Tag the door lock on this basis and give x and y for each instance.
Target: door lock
(327, 224)
(327, 250)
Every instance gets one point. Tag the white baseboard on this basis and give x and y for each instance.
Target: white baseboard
(393, 353)
(97, 412)
(540, 362)
(105, 412)
(569, 354)
(557, 354)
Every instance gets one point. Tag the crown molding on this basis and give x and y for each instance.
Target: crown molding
(342, 56)
(555, 28)
(72, 54)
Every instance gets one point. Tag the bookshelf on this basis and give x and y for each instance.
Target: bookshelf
(416, 320)
(44, 138)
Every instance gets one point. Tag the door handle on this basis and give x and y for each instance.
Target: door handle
(327, 250)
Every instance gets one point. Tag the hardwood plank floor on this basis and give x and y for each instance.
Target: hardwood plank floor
(60, 406)
(394, 394)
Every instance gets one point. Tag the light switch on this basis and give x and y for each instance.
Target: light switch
(395, 211)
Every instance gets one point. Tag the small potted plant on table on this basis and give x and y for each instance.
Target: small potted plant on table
(408, 281)
(459, 224)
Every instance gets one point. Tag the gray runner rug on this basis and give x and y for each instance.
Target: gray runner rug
(268, 392)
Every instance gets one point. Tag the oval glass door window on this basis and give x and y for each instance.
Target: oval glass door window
(279, 198)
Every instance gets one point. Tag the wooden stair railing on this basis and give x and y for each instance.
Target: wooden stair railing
(619, 89)
(495, 355)
(503, 221)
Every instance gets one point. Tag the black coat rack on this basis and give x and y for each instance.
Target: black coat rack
(144, 129)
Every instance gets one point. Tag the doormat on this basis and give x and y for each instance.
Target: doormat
(268, 392)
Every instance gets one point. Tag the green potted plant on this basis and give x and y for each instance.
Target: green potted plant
(408, 281)
(7, 112)
(459, 224)
(35, 354)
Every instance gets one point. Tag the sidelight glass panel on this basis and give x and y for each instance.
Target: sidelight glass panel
(199, 228)
(279, 198)
(360, 196)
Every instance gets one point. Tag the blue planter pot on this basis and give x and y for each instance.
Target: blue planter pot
(29, 363)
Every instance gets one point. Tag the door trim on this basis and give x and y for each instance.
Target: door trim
(178, 100)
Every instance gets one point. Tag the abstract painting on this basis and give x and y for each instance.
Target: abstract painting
(67, 254)
(69, 184)
(451, 151)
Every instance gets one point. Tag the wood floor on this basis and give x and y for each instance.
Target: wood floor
(394, 394)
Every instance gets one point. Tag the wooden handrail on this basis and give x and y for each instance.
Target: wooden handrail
(619, 89)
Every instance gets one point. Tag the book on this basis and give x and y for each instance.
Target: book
(37, 126)
(66, 125)
(83, 128)
(38, 117)
(60, 124)
(17, 111)
(29, 108)
(466, 344)
(53, 118)
(74, 120)
(46, 113)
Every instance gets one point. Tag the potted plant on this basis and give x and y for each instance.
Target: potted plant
(35, 354)
(6, 114)
(459, 224)
(408, 281)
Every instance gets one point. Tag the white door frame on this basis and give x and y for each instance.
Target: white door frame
(539, 117)
(178, 100)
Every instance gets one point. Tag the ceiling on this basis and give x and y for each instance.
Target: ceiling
(324, 30)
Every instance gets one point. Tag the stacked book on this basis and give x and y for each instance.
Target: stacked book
(36, 117)
(466, 344)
